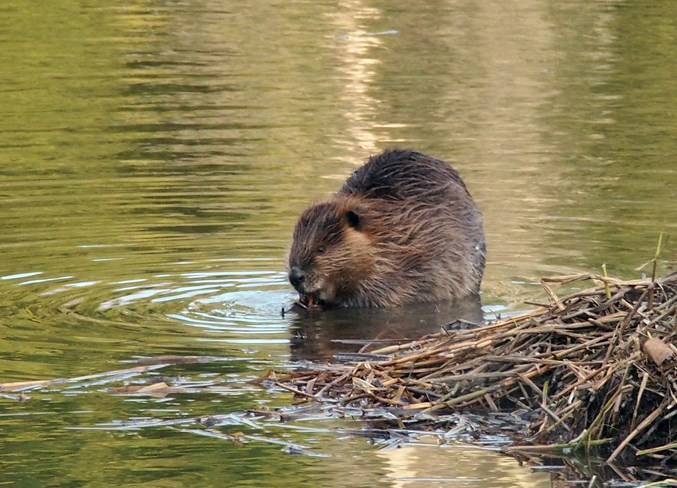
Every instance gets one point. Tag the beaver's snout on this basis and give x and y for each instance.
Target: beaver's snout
(307, 299)
(296, 277)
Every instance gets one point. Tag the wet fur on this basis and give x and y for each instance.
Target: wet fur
(402, 229)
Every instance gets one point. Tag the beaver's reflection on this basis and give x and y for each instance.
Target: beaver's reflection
(320, 335)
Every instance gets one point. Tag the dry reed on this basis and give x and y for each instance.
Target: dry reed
(594, 368)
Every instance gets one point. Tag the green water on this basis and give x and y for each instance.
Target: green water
(155, 154)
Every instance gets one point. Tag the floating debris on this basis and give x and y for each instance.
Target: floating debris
(596, 368)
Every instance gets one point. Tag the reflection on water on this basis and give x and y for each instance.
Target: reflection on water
(154, 157)
(424, 463)
(323, 334)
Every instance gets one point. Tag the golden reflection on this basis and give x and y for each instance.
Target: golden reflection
(430, 465)
(357, 69)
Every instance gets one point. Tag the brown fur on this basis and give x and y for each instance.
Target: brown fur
(402, 229)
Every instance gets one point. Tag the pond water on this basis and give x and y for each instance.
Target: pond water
(154, 156)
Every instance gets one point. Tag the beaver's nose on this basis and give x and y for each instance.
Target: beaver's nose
(296, 276)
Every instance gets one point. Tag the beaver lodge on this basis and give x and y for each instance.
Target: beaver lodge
(596, 368)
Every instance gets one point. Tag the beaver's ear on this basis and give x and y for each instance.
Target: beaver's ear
(353, 219)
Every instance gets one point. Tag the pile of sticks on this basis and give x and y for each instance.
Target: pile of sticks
(594, 368)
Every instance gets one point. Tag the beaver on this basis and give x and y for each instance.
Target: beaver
(402, 229)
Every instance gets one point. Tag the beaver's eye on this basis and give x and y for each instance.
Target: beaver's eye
(321, 250)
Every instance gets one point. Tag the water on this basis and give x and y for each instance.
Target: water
(154, 157)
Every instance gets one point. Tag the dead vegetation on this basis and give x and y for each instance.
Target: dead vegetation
(596, 368)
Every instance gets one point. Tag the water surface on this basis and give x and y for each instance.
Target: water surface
(154, 157)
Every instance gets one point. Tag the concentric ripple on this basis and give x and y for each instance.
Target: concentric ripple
(90, 322)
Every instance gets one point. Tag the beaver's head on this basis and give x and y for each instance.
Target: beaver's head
(331, 252)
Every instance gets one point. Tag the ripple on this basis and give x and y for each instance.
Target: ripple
(86, 321)
(20, 275)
